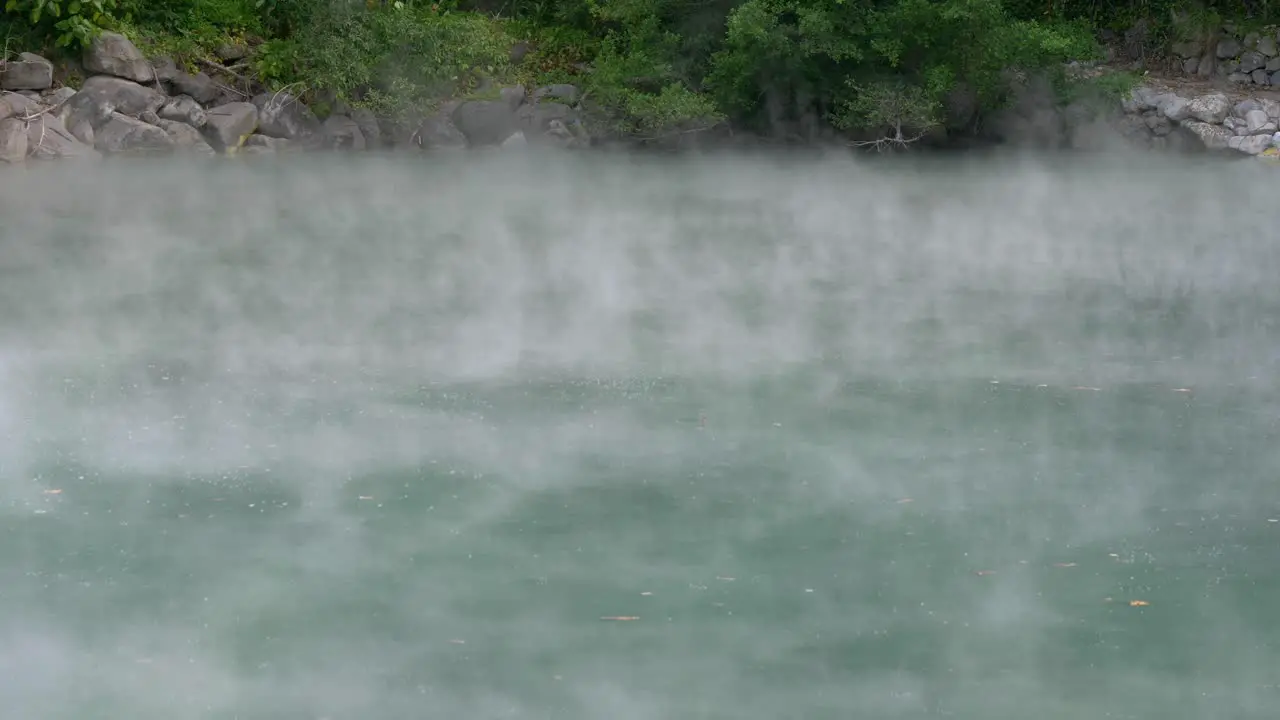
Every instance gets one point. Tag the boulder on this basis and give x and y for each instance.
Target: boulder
(512, 96)
(1174, 107)
(13, 141)
(164, 69)
(342, 133)
(201, 87)
(28, 72)
(564, 93)
(122, 134)
(59, 96)
(437, 131)
(1213, 137)
(186, 139)
(369, 128)
(1211, 108)
(228, 126)
(113, 94)
(1259, 77)
(485, 122)
(184, 109)
(1267, 45)
(1228, 48)
(1254, 144)
(268, 143)
(113, 54)
(48, 139)
(1252, 60)
(13, 105)
(281, 115)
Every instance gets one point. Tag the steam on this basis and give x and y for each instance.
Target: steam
(381, 439)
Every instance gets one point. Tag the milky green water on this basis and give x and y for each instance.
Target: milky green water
(991, 439)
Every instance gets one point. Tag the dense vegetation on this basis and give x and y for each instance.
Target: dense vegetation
(652, 67)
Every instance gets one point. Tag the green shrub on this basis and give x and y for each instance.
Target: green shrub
(64, 23)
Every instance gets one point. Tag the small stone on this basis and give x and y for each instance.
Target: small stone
(1206, 66)
(1234, 142)
(1252, 60)
(1260, 77)
(1239, 78)
(1189, 65)
(1251, 40)
(1189, 49)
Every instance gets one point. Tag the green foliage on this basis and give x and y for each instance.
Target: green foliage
(67, 23)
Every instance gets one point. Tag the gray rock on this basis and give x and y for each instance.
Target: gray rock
(268, 143)
(122, 134)
(1239, 78)
(1275, 140)
(1275, 78)
(232, 51)
(518, 52)
(1273, 65)
(512, 96)
(164, 69)
(368, 124)
(13, 141)
(15, 105)
(1251, 40)
(484, 122)
(59, 96)
(437, 132)
(122, 96)
(1270, 107)
(1244, 106)
(563, 92)
(228, 126)
(1188, 49)
(1259, 77)
(1234, 142)
(198, 86)
(1174, 107)
(149, 118)
(112, 54)
(48, 139)
(515, 142)
(184, 109)
(102, 96)
(1226, 67)
(1267, 45)
(1214, 137)
(342, 133)
(1211, 108)
(1254, 120)
(1189, 65)
(186, 139)
(281, 115)
(1254, 144)
(1228, 48)
(1252, 60)
(1158, 124)
(28, 72)
(1207, 64)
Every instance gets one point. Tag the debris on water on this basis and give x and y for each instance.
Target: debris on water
(777, 424)
(1277, 520)
(905, 500)
(1138, 603)
(646, 593)
(1182, 390)
(457, 642)
(621, 618)
(53, 491)
(1064, 565)
(366, 497)
(808, 590)
(725, 578)
(1085, 387)
(984, 572)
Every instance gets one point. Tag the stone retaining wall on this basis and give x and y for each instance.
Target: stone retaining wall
(1242, 58)
(1214, 121)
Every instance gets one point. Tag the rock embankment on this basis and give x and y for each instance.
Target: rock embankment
(132, 105)
(1162, 118)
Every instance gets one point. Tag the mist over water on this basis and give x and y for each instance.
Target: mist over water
(382, 439)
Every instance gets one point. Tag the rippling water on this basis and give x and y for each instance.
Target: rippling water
(613, 438)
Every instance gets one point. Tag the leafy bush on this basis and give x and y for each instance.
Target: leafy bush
(68, 23)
